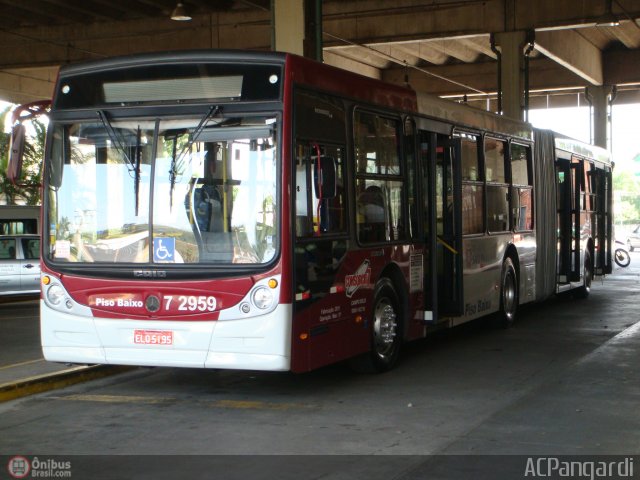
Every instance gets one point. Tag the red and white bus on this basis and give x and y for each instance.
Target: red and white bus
(244, 210)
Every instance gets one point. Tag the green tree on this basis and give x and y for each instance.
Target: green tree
(8, 190)
(627, 187)
(27, 191)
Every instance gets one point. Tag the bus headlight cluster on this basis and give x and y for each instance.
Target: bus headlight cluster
(56, 295)
(262, 298)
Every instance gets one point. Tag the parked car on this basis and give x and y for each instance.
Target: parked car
(633, 240)
(19, 264)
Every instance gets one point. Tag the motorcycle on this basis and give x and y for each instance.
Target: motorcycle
(621, 255)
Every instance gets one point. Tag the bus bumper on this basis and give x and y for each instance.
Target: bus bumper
(258, 343)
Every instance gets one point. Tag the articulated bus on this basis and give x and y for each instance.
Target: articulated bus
(244, 210)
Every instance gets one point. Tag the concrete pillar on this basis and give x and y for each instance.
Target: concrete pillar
(313, 29)
(288, 26)
(511, 45)
(599, 98)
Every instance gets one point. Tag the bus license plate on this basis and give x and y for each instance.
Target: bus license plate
(153, 337)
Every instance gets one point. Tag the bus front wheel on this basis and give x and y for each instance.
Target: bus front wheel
(386, 332)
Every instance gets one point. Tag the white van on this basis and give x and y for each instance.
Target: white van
(19, 264)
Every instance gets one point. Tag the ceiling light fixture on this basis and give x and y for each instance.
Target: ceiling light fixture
(180, 13)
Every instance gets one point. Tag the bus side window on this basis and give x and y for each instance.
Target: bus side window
(521, 189)
(318, 211)
(377, 141)
(497, 188)
(302, 202)
(473, 188)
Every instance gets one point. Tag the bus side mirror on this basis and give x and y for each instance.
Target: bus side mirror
(16, 153)
(325, 178)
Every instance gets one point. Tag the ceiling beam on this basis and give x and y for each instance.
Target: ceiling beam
(480, 44)
(544, 74)
(332, 57)
(424, 51)
(454, 49)
(61, 44)
(572, 51)
(376, 21)
(628, 33)
(37, 8)
(27, 85)
(11, 13)
(394, 51)
(131, 7)
(621, 67)
(368, 57)
(86, 8)
(417, 29)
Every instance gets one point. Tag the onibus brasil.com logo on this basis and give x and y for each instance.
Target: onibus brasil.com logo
(22, 467)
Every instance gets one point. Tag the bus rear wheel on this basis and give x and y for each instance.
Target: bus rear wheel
(508, 294)
(386, 336)
(587, 277)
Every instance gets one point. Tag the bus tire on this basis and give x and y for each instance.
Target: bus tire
(386, 331)
(509, 297)
(587, 276)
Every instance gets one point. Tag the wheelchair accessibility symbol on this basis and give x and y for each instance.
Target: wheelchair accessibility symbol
(164, 249)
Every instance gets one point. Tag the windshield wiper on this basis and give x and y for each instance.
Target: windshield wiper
(173, 172)
(176, 159)
(117, 142)
(214, 110)
(138, 154)
(115, 139)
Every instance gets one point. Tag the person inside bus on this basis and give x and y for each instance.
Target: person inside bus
(372, 208)
(207, 208)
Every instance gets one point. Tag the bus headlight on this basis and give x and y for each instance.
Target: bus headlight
(55, 294)
(262, 298)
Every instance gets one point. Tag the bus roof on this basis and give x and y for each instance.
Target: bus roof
(179, 56)
(464, 115)
(577, 147)
(330, 79)
(357, 86)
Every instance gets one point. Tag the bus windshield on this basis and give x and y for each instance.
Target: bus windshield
(170, 191)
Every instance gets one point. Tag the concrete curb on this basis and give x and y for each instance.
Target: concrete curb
(51, 381)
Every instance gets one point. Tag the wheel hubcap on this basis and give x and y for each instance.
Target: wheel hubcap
(384, 327)
(509, 295)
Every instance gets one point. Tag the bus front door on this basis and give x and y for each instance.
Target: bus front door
(447, 223)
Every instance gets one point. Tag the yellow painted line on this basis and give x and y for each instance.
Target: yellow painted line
(51, 381)
(117, 398)
(231, 404)
(21, 364)
(256, 405)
